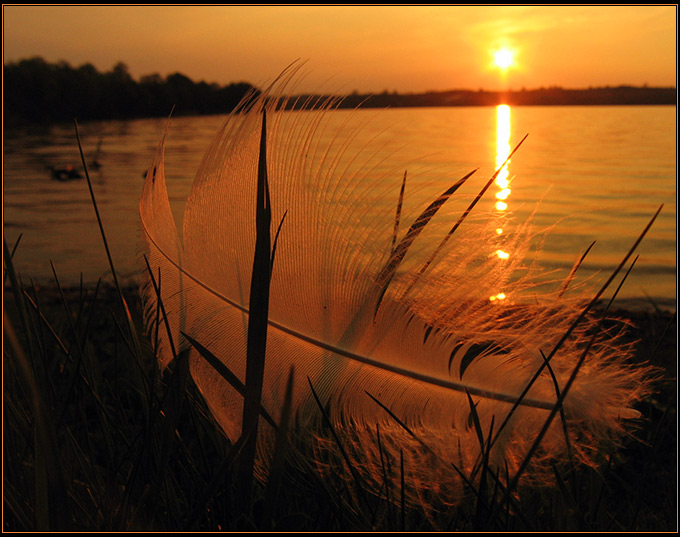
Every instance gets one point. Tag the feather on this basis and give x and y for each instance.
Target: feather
(393, 339)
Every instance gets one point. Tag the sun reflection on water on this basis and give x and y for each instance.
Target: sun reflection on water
(503, 180)
(503, 148)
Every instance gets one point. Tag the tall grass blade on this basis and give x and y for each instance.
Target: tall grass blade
(402, 424)
(174, 397)
(483, 509)
(398, 215)
(257, 321)
(18, 293)
(563, 417)
(14, 249)
(348, 461)
(126, 310)
(416, 228)
(281, 449)
(386, 471)
(569, 499)
(572, 273)
(227, 375)
(276, 240)
(403, 491)
(410, 431)
(48, 325)
(219, 478)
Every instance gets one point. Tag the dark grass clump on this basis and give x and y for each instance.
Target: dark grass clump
(98, 466)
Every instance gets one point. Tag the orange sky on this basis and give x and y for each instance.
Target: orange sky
(369, 49)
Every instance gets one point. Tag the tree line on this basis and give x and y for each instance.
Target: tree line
(551, 96)
(36, 91)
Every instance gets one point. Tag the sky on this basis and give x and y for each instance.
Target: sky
(368, 49)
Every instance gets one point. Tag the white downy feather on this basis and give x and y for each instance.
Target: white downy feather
(329, 318)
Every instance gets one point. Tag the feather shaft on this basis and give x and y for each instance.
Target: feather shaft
(413, 375)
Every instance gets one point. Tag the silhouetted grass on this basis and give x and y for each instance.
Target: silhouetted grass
(106, 412)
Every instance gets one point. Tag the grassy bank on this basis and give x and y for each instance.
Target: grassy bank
(95, 438)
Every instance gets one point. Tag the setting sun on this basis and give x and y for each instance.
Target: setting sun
(504, 58)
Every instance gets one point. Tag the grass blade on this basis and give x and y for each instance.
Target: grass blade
(560, 400)
(14, 249)
(281, 448)
(398, 215)
(572, 273)
(227, 375)
(416, 228)
(257, 322)
(126, 309)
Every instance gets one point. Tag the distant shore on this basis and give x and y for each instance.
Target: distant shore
(551, 96)
(38, 92)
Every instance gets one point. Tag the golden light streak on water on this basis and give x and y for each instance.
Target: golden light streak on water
(503, 132)
(503, 194)
(503, 148)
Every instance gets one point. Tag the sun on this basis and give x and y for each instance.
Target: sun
(504, 58)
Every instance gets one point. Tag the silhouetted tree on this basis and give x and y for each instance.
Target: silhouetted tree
(37, 91)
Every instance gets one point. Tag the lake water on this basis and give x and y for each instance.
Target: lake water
(600, 173)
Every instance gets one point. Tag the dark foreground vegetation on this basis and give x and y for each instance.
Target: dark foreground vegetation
(38, 91)
(95, 439)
